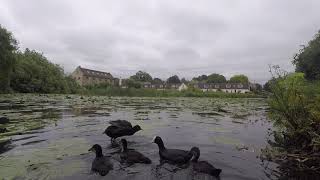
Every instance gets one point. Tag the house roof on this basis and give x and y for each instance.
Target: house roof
(94, 73)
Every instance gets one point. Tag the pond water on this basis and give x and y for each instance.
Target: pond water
(48, 136)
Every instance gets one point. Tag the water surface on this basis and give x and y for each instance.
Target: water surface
(49, 135)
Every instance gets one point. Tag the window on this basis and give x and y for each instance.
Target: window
(216, 86)
(240, 86)
(228, 86)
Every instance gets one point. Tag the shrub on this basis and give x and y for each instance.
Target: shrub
(295, 109)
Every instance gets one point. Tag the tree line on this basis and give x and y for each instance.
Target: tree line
(29, 71)
(141, 76)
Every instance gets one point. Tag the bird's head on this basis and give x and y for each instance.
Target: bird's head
(97, 149)
(137, 128)
(195, 153)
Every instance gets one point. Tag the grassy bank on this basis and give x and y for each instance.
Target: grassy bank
(134, 92)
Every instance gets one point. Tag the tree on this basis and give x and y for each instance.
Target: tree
(308, 59)
(133, 84)
(268, 85)
(257, 87)
(8, 46)
(142, 77)
(216, 78)
(174, 80)
(34, 73)
(202, 78)
(157, 81)
(239, 79)
(183, 80)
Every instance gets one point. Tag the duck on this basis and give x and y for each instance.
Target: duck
(172, 156)
(101, 164)
(115, 131)
(131, 156)
(203, 166)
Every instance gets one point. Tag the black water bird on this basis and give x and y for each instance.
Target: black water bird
(131, 156)
(172, 156)
(203, 166)
(121, 123)
(118, 131)
(101, 164)
(4, 120)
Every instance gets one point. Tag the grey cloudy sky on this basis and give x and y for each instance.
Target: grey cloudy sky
(165, 37)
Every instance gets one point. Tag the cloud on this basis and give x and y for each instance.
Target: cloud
(165, 37)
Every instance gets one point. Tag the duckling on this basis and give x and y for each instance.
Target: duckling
(101, 164)
(172, 156)
(116, 131)
(131, 156)
(203, 166)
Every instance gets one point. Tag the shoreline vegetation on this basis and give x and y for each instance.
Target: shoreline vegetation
(295, 111)
(105, 90)
(133, 92)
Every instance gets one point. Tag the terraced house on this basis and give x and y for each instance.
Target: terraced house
(224, 87)
(86, 77)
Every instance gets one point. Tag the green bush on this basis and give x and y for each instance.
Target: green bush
(295, 109)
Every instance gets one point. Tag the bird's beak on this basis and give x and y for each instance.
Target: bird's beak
(153, 139)
(91, 149)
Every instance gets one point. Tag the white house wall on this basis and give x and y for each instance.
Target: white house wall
(228, 90)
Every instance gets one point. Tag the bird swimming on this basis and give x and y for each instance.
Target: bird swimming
(114, 132)
(101, 164)
(203, 166)
(131, 156)
(121, 123)
(172, 156)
